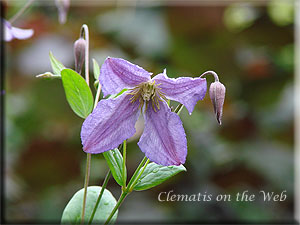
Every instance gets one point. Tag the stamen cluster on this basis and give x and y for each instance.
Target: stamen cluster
(146, 92)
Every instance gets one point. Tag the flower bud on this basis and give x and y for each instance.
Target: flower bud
(79, 54)
(217, 95)
(63, 7)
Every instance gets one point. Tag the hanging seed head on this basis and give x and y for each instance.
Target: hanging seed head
(217, 95)
(79, 54)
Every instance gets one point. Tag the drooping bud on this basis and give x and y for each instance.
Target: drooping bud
(79, 54)
(62, 7)
(217, 95)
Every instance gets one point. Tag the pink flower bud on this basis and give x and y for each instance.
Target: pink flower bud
(79, 54)
(217, 95)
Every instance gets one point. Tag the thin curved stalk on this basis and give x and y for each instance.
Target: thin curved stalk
(85, 29)
(124, 175)
(20, 12)
(130, 188)
(86, 182)
(137, 171)
(117, 206)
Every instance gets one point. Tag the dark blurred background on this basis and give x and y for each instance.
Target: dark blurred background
(250, 46)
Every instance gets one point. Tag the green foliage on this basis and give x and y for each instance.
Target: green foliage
(238, 17)
(155, 174)
(78, 93)
(73, 210)
(281, 12)
(96, 69)
(114, 160)
(57, 66)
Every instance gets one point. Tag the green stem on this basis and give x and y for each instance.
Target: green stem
(121, 199)
(20, 12)
(130, 188)
(88, 163)
(137, 171)
(85, 29)
(124, 165)
(105, 182)
(86, 182)
(109, 172)
(131, 183)
(88, 160)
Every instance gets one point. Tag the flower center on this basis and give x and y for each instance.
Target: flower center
(147, 92)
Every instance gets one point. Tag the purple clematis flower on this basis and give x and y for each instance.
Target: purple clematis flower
(11, 32)
(113, 120)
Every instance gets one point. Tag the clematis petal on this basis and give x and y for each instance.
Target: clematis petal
(185, 90)
(21, 33)
(163, 140)
(8, 36)
(11, 32)
(117, 74)
(111, 122)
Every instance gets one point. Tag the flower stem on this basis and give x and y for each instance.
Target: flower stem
(138, 177)
(109, 172)
(132, 182)
(105, 182)
(124, 175)
(20, 12)
(86, 182)
(88, 160)
(85, 30)
(137, 171)
(121, 199)
(212, 73)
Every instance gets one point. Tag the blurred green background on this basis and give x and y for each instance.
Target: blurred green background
(251, 47)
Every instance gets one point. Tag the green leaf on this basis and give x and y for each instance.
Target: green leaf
(73, 210)
(155, 174)
(78, 93)
(114, 160)
(96, 69)
(57, 66)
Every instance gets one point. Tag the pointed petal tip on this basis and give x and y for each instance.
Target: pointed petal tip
(163, 140)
